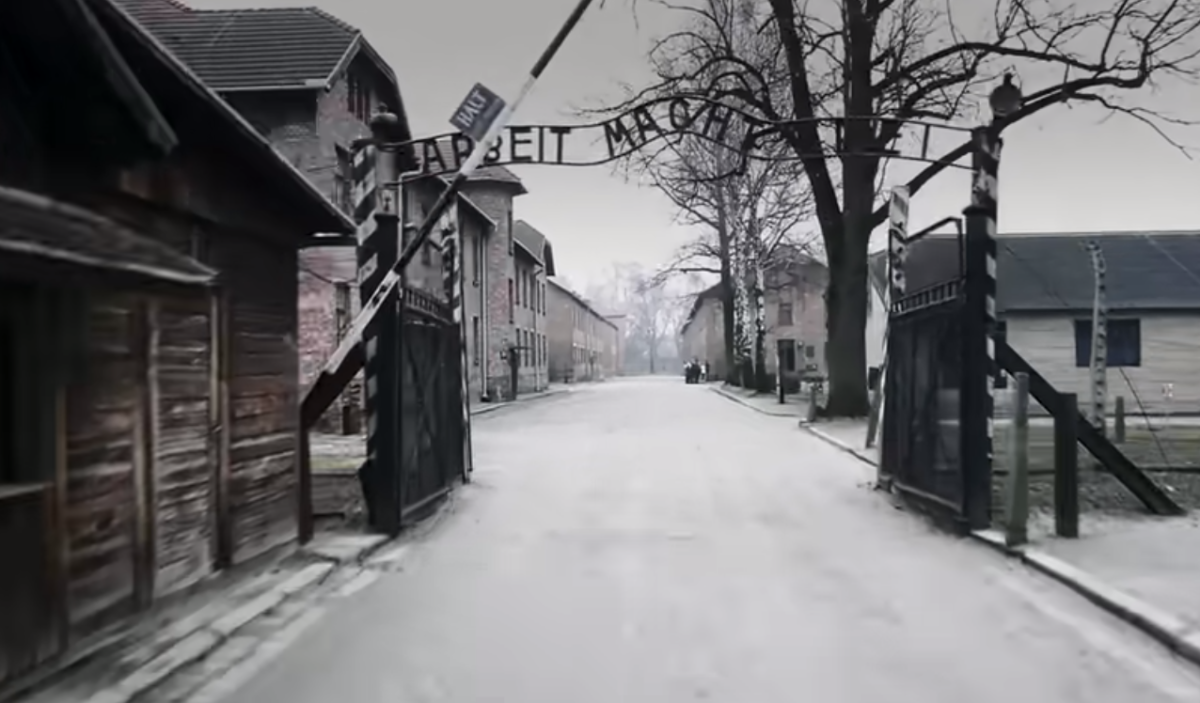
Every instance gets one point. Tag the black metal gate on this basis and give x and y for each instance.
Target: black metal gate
(430, 439)
(922, 407)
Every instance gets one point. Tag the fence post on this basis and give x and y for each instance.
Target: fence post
(1066, 467)
(812, 402)
(978, 321)
(1017, 517)
(1119, 419)
(378, 250)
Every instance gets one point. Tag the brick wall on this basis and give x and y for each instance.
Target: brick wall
(530, 328)
(307, 128)
(496, 200)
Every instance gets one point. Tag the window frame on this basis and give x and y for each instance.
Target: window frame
(1124, 335)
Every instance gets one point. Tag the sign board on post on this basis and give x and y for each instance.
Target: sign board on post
(477, 112)
(897, 285)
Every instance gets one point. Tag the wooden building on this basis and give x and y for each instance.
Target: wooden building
(149, 390)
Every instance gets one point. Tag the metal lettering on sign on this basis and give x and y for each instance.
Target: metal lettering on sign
(477, 112)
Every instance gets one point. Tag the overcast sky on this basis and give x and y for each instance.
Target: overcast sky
(1066, 171)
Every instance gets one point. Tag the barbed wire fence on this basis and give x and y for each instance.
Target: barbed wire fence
(1155, 430)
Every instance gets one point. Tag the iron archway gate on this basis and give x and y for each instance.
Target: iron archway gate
(430, 426)
(920, 452)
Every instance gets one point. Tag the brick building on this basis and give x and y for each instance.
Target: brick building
(493, 189)
(311, 100)
(583, 342)
(532, 263)
(794, 299)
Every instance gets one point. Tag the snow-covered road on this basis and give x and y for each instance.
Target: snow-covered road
(644, 541)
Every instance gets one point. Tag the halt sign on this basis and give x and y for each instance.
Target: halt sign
(477, 112)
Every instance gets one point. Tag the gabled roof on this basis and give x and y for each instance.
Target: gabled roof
(1042, 272)
(713, 292)
(255, 48)
(581, 301)
(207, 116)
(535, 243)
(283, 48)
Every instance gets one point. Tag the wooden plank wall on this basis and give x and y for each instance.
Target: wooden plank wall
(259, 279)
(183, 470)
(140, 476)
(101, 487)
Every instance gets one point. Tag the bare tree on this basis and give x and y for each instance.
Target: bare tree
(745, 210)
(907, 60)
(654, 315)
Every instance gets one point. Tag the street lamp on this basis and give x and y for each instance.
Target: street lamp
(1005, 99)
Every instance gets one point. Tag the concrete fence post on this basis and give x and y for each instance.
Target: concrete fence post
(1119, 419)
(1066, 468)
(1017, 513)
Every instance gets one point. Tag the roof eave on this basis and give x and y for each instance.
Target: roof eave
(334, 220)
(143, 108)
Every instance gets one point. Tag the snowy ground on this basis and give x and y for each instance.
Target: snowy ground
(649, 541)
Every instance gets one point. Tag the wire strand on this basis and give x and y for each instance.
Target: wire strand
(1054, 293)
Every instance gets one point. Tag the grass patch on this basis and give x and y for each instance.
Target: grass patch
(1161, 448)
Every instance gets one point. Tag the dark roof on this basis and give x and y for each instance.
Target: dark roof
(206, 114)
(709, 293)
(582, 301)
(535, 243)
(261, 48)
(34, 225)
(286, 48)
(483, 174)
(97, 105)
(1045, 272)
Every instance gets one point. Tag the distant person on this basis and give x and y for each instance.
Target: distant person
(704, 372)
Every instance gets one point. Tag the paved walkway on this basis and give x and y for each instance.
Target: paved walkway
(1155, 560)
(652, 542)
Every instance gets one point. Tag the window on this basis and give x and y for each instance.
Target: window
(810, 352)
(511, 310)
(510, 232)
(477, 262)
(427, 254)
(543, 299)
(517, 292)
(1124, 343)
(476, 339)
(343, 181)
(785, 315)
(525, 283)
(873, 378)
(787, 354)
(358, 98)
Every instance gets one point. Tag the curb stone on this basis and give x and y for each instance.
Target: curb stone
(859, 454)
(742, 402)
(485, 408)
(200, 643)
(1168, 629)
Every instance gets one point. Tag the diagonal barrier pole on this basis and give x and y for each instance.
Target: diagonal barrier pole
(336, 374)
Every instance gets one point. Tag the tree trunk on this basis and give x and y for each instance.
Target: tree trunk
(727, 298)
(846, 305)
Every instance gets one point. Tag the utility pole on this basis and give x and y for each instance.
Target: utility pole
(1099, 360)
